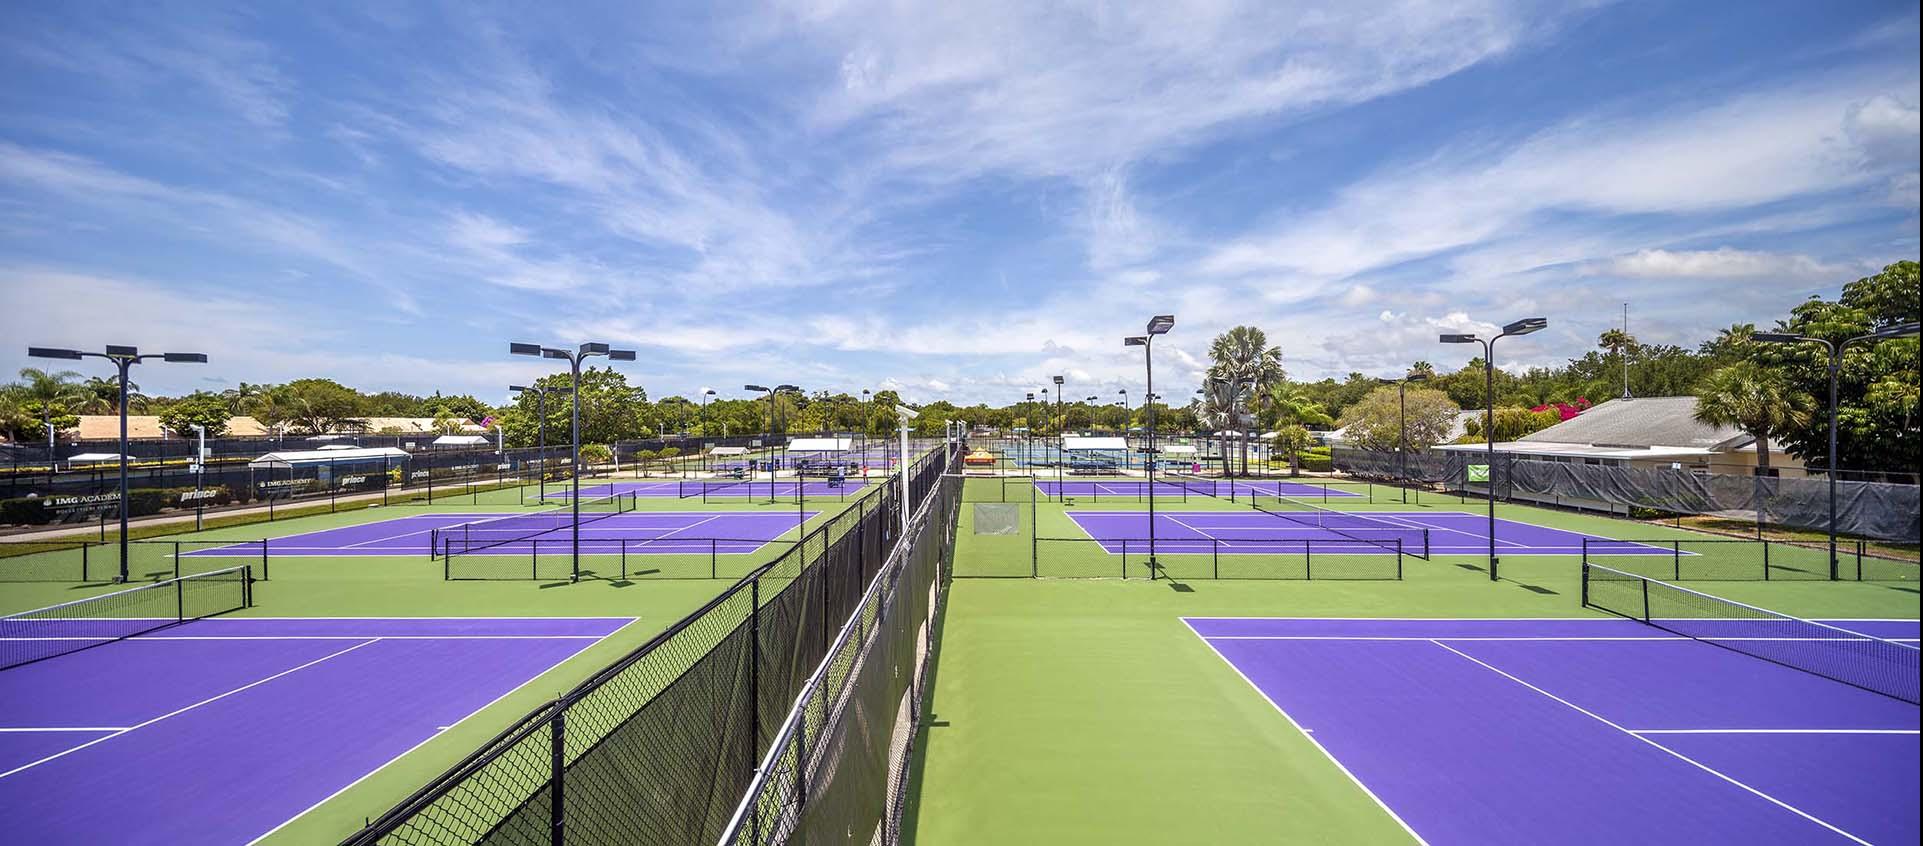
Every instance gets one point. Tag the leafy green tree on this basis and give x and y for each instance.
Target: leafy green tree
(311, 405)
(1877, 424)
(596, 454)
(1289, 404)
(1375, 423)
(1291, 440)
(103, 396)
(1758, 400)
(611, 410)
(241, 398)
(59, 387)
(200, 407)
(461, 407)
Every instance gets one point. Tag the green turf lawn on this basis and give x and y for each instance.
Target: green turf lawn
(1084, 711)
(412, 586)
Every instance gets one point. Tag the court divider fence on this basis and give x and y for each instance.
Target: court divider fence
(658, 746)
(837, 771)
(552, 558)
(1011, 540)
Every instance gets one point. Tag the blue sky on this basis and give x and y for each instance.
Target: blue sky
(955, 200)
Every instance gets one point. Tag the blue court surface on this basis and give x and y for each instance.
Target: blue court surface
(1603, 731)
(633, 532)
(222, 730)
(712, 488)
(1269, 533)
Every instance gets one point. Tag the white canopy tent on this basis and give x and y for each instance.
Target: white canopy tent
(94, 458)
(306, 457)
(1111, 444)
(460, 440)
(727, 450)
(820, 444)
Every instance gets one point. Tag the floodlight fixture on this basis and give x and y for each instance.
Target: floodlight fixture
(594, 348)
(1135, 341)
(754, 387)
(1459, 338)
(621, 355)
(1526, 326)
(184, 358)
(1160, 324)
(1900, 330)
(1776, 337)
(52, 352)
(523, 349)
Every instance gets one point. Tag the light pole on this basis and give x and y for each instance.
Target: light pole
(574, 359)
(1402, 426)
(1835, 350)
(1157, 325)
(123, 358)
(1524, 326)
(540, 393)
(1061, 433)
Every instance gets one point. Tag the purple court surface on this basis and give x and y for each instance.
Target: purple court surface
(1265, 533)
(693, 489)
(221, 730)
(1127, 489)
(1586, 731)
(638, 532)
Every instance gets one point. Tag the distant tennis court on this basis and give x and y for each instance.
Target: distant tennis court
(635, 532)
(1266, 532)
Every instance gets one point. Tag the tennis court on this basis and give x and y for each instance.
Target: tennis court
(1205, 487)
(221, 730)
(1257, 532)
(1589, 730)
(635, 532)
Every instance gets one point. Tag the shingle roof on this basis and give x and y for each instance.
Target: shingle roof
(1643, 422)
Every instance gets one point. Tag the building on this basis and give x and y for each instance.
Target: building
(1646, 433)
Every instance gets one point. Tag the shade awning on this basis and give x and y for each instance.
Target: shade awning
(308, 457)
(819, 444)
(1070, 442)
(461, 440)
(728, 451)
(93, 457)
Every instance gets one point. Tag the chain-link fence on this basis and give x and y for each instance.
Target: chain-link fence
(1874, 510)
(659, 746)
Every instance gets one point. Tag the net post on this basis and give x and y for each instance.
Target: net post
(1399, 559)
(84, 547)
(263, 560)
(1766, 560)
(176, 559)
(714, 559)
(1645, 586)
(1585, 573)
(1676, 560)
(247, 587)
(1308, 560)
(624, 558)
(1215, 557)
(557, 765)
(1124, 557)
(180, 591)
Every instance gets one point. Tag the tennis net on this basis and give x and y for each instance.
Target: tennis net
(1833, 652)
(44, 633)
(1390, 536)
(511, 528)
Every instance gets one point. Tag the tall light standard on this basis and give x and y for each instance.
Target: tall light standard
(573, 358)
(1157, 325)
(1123, 393)
(540, 393)
(122, 358)
(1061, 433)
(1402, 436)
(1835, 350)
(1524, 326)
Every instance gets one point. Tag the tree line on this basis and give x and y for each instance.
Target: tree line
(1772, 391)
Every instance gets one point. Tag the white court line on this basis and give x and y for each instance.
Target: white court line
(672, 531)
(37, 729)
(183, 710)
(1660, 638)
(1588, 619)
(437, 733)
(1310, 736)
(1673, 753)
(1772, 731)
(146, 638)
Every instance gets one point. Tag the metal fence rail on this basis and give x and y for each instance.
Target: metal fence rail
(658, 746)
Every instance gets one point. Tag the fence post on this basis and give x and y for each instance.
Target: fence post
(754, 674)
(558, 765)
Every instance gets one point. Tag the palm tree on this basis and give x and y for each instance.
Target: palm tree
(1293, 407)
(50, 386)
(1243, 355)
(241, 398)
(1755, 399)
(103, 396)
(1619, 344)
(1423, 369)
